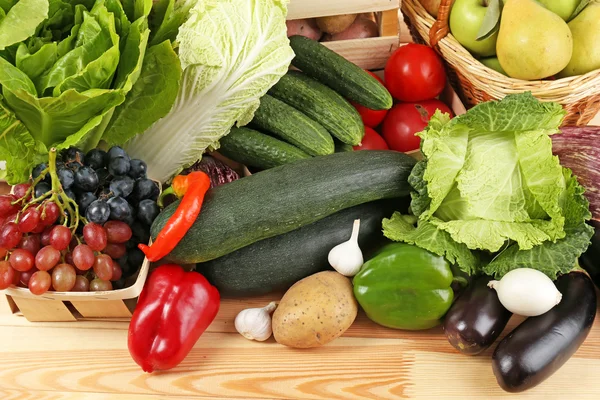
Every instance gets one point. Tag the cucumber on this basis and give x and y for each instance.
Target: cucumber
(294, 127)
(256, 149)
(279, 200)
(322, 104)
(277, 263)
(342, 147)
(345, 77)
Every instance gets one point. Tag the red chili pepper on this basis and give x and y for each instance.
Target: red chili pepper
(173, 310)
(192, 187)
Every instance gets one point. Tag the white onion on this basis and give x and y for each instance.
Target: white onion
(527, 292)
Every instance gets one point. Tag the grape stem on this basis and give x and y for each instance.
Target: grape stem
(66, 205)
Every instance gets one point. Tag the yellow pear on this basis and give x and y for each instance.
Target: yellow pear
(533, 42)
(586, 42)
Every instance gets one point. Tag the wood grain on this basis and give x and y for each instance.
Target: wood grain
(89, 360)
(319, 8)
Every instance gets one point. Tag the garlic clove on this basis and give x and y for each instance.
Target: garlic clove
(347, 258)
(255, 323)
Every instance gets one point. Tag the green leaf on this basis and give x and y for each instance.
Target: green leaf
(95, 37)
(52, 119)
(580, 7)
(491, 20)
(13, 79)
(167, 17)
(21, 21)
(420, 198)
(17, 147)
(98, 74)
(428, 237)
(560, 256)
(134, 49)
(151, 97)
(36, 64)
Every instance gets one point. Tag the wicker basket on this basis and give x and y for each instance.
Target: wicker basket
(476, 83)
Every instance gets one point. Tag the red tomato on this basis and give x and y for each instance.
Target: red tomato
(406, 119)
(371, 118)
(415, 73)
(372, 141)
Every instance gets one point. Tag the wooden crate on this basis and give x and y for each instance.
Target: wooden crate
(114, 305)
(371, 53)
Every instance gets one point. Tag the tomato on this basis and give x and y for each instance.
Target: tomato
(372, 141)
(371, 118)
(406, 119)
(415, 72)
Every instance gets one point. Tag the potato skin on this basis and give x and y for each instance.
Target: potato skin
(361, 28)
(335, 23)
(304, 27)
(315, 311)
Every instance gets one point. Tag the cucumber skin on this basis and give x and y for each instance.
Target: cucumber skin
(275, 264)
(279, 200)
(322, 104)
(293, 126)
(255, 149)
(345, 77)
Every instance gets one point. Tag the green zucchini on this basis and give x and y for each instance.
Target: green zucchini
(279, 200)
(322, 104)
(277, 263)
(294, 127)
(255, 149)
(345, 77)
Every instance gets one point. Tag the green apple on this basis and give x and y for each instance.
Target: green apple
(493, 63)
(562, 8)
(466, 17)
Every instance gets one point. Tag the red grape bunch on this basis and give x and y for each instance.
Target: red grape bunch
(47, 242)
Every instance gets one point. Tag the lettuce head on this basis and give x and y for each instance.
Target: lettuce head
(490, 192)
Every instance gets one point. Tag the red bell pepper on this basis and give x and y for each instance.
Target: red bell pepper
(173, 310)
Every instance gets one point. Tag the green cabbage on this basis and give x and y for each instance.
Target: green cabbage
(71, 69)
(232, 52)
(489, 191)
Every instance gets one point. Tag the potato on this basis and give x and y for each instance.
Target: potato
(304, 27)
(315, 311)
(361, 28)
(335, 23)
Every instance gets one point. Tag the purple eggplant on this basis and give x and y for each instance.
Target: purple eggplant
(476, 318)
(539, 346)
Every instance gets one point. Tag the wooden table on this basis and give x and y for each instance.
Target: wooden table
(89, 360)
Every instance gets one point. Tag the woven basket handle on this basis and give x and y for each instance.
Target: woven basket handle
(440, 28)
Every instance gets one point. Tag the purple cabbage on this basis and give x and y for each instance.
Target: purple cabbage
(219, 172)
(578, 148)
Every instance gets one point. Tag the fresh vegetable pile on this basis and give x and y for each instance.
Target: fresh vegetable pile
(489, 223)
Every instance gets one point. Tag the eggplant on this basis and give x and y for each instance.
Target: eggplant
(590, 260)
(476, 318)
(539, 346)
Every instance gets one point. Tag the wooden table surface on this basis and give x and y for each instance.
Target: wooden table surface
(89, 360)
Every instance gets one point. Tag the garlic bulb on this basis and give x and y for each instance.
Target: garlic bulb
(527, 292)
(255, 323)
(347, 258)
